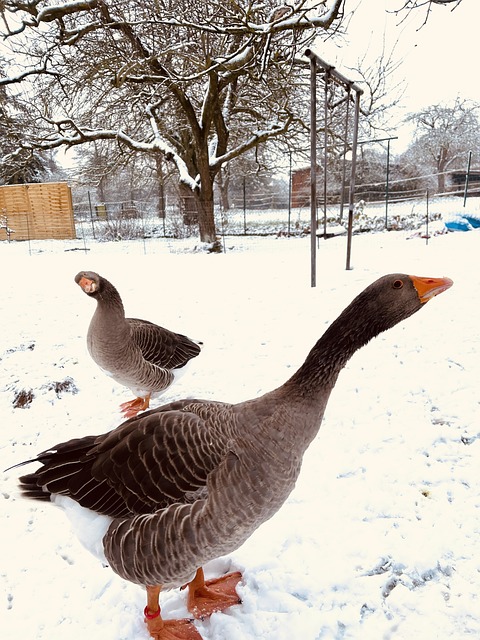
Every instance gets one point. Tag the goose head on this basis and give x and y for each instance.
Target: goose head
(389, 300)
(90, 282)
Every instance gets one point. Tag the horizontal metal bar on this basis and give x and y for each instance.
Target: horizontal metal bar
(330, 69)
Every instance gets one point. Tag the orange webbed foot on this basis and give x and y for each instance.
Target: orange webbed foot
(204, 598)
(160, 629)
(133, 407)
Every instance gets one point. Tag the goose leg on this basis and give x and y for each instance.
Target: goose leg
(131, 408)
(204, 598)
(161, 629)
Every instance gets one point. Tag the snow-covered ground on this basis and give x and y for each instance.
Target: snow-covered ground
(381, 537)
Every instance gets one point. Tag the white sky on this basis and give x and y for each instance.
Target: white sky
(438, 59)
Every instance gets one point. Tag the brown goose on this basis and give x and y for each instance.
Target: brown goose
(136, 353)
(178, 486)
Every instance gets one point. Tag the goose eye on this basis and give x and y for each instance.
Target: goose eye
(397, 284)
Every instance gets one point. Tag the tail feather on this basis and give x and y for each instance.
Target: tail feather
(30, 489)
(57, 464)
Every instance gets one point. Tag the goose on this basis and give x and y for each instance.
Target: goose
(177, 486)
(136, 353)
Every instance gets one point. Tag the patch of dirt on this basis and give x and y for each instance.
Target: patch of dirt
(63, 386)
(23, 399)
(21, 347)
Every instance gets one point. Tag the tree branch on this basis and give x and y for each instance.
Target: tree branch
(252, 142)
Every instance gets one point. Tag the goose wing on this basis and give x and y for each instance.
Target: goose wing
(160, 346)
(156, 459)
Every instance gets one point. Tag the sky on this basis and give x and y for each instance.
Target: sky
(437, 57)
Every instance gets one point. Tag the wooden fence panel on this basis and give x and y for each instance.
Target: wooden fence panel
(37, 211)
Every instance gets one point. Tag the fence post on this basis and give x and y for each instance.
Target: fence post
(91, 214)
(244, 207)
(387, 183)
(289, 193)
(352, 180)
(427, 216)
(467, 177)
(313, 172)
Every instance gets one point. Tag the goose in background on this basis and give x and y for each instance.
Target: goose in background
(138, 354)
(178, 486)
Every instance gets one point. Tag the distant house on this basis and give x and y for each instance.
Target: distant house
(456, 182)
(301, 186)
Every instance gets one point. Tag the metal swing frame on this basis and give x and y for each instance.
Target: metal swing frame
(330, 74)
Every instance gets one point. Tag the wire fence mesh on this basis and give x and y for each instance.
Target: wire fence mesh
(255, 213)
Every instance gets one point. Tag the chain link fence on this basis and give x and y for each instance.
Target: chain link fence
(260, 214)
(256, 213)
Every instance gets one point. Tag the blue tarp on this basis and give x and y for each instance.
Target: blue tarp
(474, 222)
(459, 224)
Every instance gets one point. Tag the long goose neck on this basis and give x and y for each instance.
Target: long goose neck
(361, 321)
(109, 301)
(109, 316)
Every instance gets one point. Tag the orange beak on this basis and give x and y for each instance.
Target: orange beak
(429, 287)
(86, 284)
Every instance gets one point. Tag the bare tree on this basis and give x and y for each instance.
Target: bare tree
(198, 84)
(173, 78)
(415, 4)
(407, 6)
(25, 165)
(444, 135)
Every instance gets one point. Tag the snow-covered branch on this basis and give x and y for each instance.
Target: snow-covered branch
(195, 83)
(253, 141)
(55, 12)
(299, 16)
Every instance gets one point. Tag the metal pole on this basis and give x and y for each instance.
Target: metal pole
(164, 218)
(467, 177)
(289, 193)
(348, 85)
(313, 171)
(387, 184)
(91, 214)
(345, 149)
(345, 82)
(427, 216)
(244, 207)
(352, 180)
(325, 152)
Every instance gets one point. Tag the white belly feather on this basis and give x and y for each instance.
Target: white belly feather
(89, 527)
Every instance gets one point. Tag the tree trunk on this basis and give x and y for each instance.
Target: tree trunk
(203, 197)
(198, 208)
(206, 216)
(441, 182)
(441, 177)
(441, 166)
(188, 205)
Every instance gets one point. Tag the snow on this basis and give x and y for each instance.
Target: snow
(379, 539)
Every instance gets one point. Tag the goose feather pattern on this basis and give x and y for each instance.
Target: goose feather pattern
(138, 354)
(190, 481)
